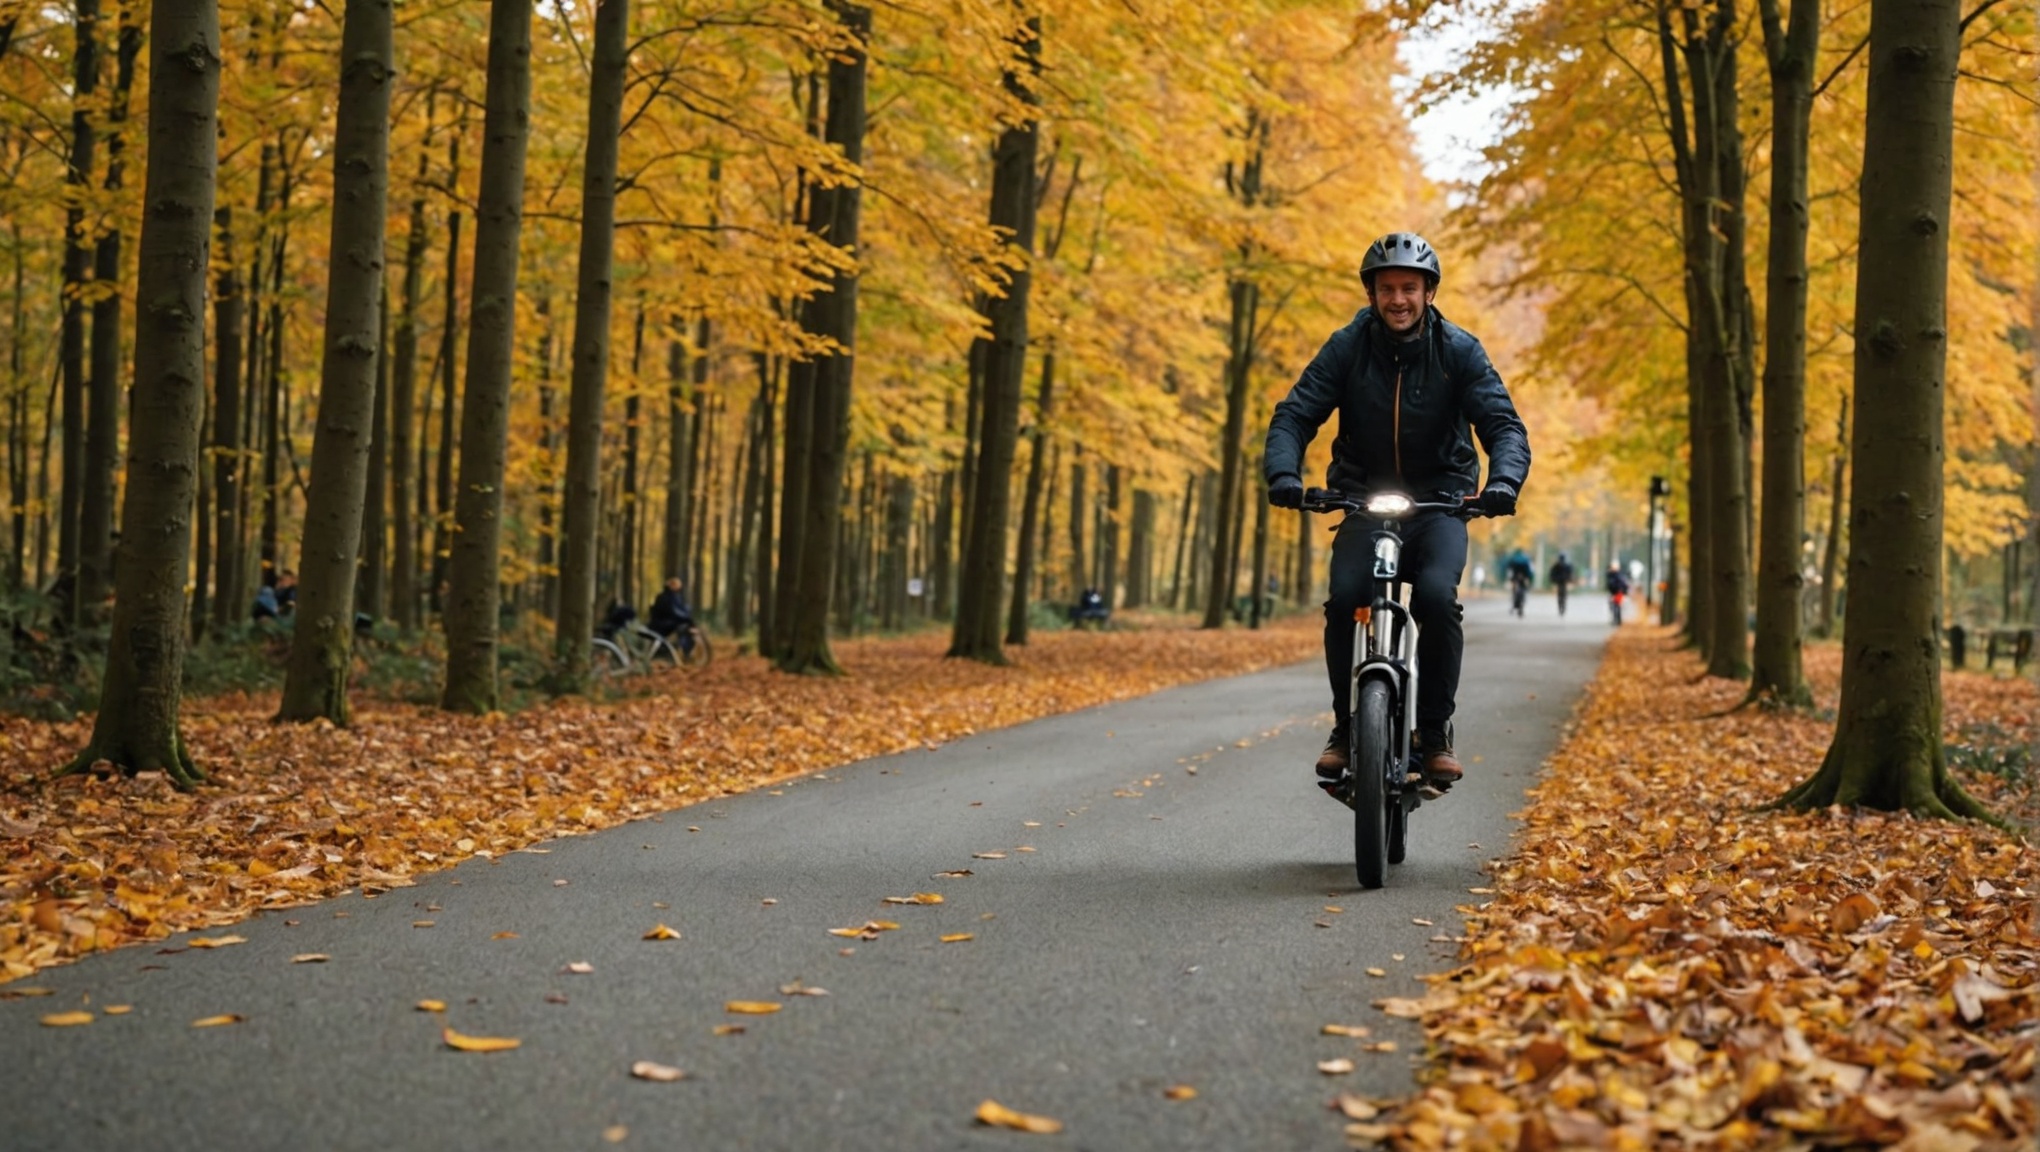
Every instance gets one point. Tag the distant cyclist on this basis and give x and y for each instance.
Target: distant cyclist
(1618, 588)
(1411, 389)
(1520, 575)
(672, 618)
(1561, 578)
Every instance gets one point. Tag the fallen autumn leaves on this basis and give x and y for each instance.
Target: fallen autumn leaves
(1663, 967)
(297, 813)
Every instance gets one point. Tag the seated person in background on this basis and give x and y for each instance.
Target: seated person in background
(275, 599)
(672, 618)
(1090, 605)
(615, 619)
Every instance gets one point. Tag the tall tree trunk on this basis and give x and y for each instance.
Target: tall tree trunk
(1182, 544)
(1258, 594)
(137, 727)
(443, 458)
(768, 382)
(1030, 504)
(1776, 670)
(103, 397)
(805, 629)
(549, 450)
(1080, 568)
(473, 588)
(228, 593)
(77, 272)
(1887, 750)
(1243, 181)
(1140, 550)
(322, 643)
(1830, 561)
(1014, 201)
(631, 509)
(369, 586)
(274, 382)
(1108, 537)
(403, 413)
(758, 430)
(17, 420)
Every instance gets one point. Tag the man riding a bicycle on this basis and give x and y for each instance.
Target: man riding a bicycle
(671, 616)
(1411, 389)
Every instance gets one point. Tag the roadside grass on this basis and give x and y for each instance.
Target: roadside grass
(295, 813)
(1660, 966)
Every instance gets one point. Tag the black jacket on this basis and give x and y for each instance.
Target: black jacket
(1405, 410)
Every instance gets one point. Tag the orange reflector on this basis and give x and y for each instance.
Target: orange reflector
(1363, 615)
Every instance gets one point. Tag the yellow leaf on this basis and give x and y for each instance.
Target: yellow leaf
(477, 1043)
(66, 1019)
(663, 1073)
(752, 1007)
(504, 936)
(260, 867)
(217, 1021)
(214, 941)
(431, 1005)
(661, 932)
(1335, 1067)
(1357, 1107)
(310, 958)
(1376, 972)
(958, 937)
(988, 855)
(616, 1134)
(1180, 1092)
(118, 1009)
(997, 1115)
(729, 1029)
(850, 933)
(916, 898)
(1354, 1030)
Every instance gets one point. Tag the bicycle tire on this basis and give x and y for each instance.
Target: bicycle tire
(1398, 830)
(606, 658)
(1372, 758)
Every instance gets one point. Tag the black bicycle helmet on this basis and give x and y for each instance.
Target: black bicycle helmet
(1400, 250)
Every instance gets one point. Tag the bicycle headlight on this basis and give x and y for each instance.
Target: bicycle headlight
(1387, 504)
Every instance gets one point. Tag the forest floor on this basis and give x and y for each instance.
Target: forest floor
(1656, 964)
(295, 813)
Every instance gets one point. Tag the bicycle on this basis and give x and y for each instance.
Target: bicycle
(615, 651)
(1519, 594)
(1615, 607)
(1561, 599)
(1384, 780)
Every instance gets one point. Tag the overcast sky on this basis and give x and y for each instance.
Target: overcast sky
(1450, 135)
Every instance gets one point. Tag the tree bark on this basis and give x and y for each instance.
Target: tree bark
(1140, 550)
(805, 629)
(403, 409)
(1243, 181)
(103, 395)
(982, 591)
(1109, 516)
(1182, 544)
(77, 273)
(1080, 568)
(369, 584)
(137, 728)
(228, 593)
(322, 643)
(443, 458)
(1258, 594)
(473, 588)
(1887, 750)
(1830, 563)
(1030, 504)
(1776, 669)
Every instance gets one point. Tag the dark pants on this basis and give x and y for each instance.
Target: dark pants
(1433, 555)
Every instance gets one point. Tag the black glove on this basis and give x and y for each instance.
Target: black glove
(1285, 491)
(1498, 499)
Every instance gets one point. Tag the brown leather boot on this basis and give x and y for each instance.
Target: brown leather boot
(1440, 765)
(1331, 763)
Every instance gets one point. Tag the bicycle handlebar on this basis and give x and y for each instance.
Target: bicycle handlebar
(1327, 500)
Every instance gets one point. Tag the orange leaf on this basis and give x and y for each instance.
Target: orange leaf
(478, 1043)
(997, 1115)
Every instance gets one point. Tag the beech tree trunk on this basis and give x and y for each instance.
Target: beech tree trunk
(229, 594)
(103, 395)
(137, 728)
(1030, 504)
(1830, 561)
(804, 630)
(443, 458)
(369, 585)
(983, 584)
(1887, 750)
(322, 642)
(1140, 550)
(474, 591)
(1776, 671)
(1243, 180)
(580, 510)
(77, 273)
(403, 413)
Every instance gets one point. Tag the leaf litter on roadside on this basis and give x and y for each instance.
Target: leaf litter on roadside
(1664, 967)
(298, 813)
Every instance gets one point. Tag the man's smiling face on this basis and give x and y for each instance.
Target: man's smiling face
(1400, 296)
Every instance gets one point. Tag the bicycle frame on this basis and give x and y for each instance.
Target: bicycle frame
(1385, 643)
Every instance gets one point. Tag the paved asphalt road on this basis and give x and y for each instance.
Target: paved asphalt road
(1149, 925)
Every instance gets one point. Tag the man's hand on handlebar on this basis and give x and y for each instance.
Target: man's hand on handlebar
(1285, 492)
(1497, 499)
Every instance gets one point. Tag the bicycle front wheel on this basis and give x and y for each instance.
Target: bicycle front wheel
(1373, 757)
(606, 658)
